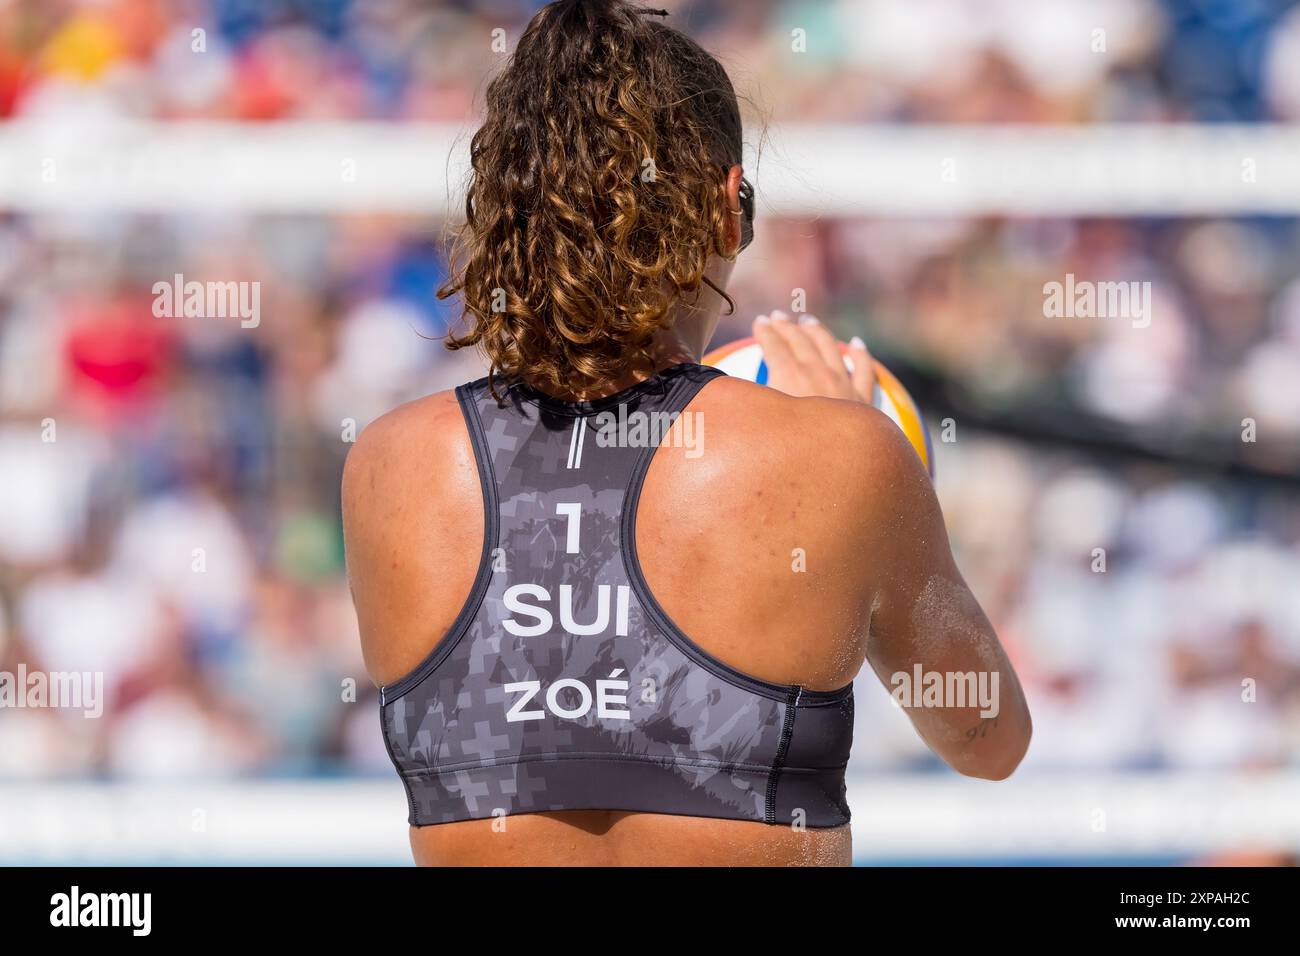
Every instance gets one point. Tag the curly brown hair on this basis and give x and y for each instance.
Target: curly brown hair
(597, 194)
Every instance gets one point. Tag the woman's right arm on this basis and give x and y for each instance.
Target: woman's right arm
(928, 629)
(929, 642)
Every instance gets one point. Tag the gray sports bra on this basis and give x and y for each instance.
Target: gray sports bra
(563, 685)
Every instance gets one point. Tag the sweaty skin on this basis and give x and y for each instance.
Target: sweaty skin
(804, 542)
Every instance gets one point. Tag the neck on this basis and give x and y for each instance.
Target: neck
(684, 340)
(668, 351)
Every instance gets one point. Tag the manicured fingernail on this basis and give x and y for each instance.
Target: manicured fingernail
(857, 343)
(780, 317)
(762, 320)
(808, 320)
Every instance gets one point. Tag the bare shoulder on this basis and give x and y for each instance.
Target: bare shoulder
(397, 443)
(407, 460)
(755, 537)
(411, 499)
(847, 448)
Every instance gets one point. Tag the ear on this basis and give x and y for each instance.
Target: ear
(732, 240)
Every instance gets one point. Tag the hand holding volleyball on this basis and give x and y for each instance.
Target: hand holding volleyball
(803, 358)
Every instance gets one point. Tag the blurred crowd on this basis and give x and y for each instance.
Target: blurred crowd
(1154, 619)
(851, 60)
(1204, 369)
(169, 506)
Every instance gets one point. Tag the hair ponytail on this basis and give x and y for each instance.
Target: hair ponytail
(596, 194)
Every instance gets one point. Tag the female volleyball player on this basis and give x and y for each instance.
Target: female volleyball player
(601, 640)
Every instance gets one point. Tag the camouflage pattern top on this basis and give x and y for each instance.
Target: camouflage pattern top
(563, 685)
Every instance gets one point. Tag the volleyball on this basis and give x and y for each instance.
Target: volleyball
(743, 358)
